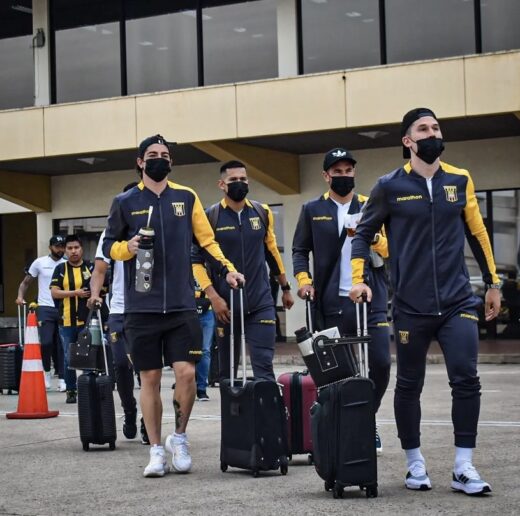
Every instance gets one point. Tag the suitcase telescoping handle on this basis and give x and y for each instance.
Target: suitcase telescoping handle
(232, 335)
(308, 312)
(362, 332)
(103, 341)
(22, 323)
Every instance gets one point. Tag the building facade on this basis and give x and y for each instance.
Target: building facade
(273, 83)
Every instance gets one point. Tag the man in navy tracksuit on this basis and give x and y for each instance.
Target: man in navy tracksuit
(427, 208)
(244, 230)
(325, 225)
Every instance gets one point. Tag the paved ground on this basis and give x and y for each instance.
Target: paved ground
(45, 471)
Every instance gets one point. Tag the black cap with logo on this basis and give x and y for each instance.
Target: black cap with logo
(57, 240)
(150, 141)
(335, 155)
(409, 119)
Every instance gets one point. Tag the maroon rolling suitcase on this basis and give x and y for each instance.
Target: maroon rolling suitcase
(299, 394)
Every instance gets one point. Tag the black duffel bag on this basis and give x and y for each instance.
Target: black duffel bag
(87, 353)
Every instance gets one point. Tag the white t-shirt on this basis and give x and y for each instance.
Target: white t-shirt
(117, 298)
(345, 271)
(43, 268)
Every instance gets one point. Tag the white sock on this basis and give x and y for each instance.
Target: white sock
(179, 436)
(158, 447)
(462, 457)
(413, 455)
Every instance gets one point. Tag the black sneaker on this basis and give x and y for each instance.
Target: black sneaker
(130, 425)
(379, 444)
(71, 397)
(144, 434)
(202, 396)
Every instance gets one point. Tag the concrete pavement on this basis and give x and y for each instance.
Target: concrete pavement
(45, 471)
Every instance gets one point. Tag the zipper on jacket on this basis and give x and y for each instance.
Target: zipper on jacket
(164, 255)
(434, 260)
(239, 216)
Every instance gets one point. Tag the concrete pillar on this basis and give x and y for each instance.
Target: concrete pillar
(42, 69)
(43, 232)
(287, 38)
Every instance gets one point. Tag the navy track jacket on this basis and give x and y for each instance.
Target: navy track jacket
(426, 238)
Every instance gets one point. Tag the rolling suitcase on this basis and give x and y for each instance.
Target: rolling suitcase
(343, 429)
(254, 428)
(299, 394)
(11, 356)
(96, 412)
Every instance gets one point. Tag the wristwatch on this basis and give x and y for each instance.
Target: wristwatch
(286, 287)
(495, 285)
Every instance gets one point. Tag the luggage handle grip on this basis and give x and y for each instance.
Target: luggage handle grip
(22, 323)
(97, 307)
(232, 336)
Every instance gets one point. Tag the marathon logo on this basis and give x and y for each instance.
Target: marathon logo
(194, 352)
(267, 321)
(140, 212)
(404, 337)
(380, 324)
(469, 316)
(178, 209)
(255, 223)
(451, 193)
(409, 198)
(226, 228)
(322, 217)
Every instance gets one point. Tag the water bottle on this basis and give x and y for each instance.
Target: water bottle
(304, 341)
(95, 332)
(144, 260)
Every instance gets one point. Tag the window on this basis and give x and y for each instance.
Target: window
(16, 56)
(422, 29)
(500, 21)
(340, 34)
(88, 61)
(161, 51)
(88, 229)
(240, 42)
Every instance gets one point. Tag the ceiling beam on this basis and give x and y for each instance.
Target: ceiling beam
(277, 170)
(31, 191)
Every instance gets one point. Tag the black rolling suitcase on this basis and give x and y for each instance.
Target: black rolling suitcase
(96, 412)
(254, 421)
(11, 357)
(343, 430)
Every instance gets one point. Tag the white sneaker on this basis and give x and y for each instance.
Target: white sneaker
(468, 481)
(61, 386)
(417, 477)
(178, 446)
(158, 465)
(48, 380)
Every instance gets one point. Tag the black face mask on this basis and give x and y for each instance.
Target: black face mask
(342, 185)
(157, 169)
(429, 149)
(237, 190)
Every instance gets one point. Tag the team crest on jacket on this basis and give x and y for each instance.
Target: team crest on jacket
(404, 337)
(255, 223)
(451, 193)
(178, 209)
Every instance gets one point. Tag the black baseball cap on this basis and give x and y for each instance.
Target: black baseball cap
(409, 119)
(150, 141)
(335, 155)
(57, 240)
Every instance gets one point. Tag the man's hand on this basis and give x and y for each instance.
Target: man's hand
(360, 293)
(287, 299)
(221, 309)
(94, 302)
(234, 278)
(306, 291)
(493, 302)
(133, 244)
(80, 292)
(20, 301)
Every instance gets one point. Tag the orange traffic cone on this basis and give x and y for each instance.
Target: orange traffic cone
(32, 401)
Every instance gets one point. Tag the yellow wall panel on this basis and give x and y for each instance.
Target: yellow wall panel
(493, 83)
(22, 134)
(291, 105)
(90, 126)
(383, 95)
(188, 115)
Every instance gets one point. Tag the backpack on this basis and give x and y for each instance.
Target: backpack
(213, 210)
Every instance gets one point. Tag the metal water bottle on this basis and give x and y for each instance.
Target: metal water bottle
(95, 332)
(144, 260)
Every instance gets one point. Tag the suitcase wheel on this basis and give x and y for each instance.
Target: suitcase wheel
(289, 457)
(329, 485)
(223, 467)
(284, 469)
(371, 492)
(337, 492)
(112, 445)
(85, 445)
(310, 459)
